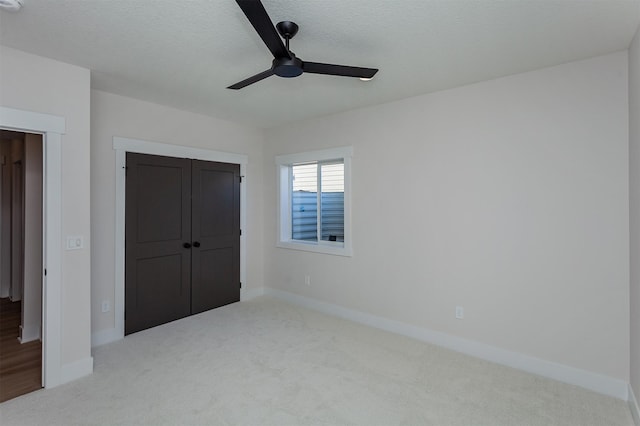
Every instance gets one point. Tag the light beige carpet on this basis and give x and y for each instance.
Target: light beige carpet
(265, 362)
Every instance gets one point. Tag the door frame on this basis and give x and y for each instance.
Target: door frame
(122, 146)
(51, 127)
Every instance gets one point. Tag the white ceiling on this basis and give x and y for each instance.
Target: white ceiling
(184, 53)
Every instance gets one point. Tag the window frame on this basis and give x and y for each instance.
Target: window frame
(284, 228)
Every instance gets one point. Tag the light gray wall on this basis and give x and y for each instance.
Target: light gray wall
(114, 115)
(17, 219)
(32, 287)
(508, 197)
(8, 142)
(5, 217)
(42, 85)
(634, 191)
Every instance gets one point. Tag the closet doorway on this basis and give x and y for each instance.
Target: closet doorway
(182, 238)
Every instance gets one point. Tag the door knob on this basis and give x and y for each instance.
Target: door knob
(186, 245)
(196, 244)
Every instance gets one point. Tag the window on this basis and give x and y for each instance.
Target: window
(315, 203)
(317, 193)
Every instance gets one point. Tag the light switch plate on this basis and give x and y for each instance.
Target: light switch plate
(75, 243)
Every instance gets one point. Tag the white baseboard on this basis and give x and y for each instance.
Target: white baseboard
(250, 293)
(75, 370)
(29, 333)
(109, 335)
(563, 373)
(633, 406)
(103, 337)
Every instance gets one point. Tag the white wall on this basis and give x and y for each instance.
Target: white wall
(38, 84)
(32, 286)
(507, 197)
(634, 191)
(114, 115)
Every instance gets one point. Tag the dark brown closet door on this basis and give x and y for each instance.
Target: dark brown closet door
(158, 226)
(215, 262)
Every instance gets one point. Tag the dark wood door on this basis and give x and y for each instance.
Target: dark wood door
(157, 226)
(182, 238)
(215, 262)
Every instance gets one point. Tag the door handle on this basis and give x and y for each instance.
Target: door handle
(196, 244)
(186, 245)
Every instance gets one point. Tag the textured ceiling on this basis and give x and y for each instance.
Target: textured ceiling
(184, 53)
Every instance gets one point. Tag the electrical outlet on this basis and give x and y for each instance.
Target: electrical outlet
(106, 306)
(459, 312)
(307, 279)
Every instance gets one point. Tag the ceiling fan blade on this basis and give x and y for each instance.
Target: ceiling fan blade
(343, 70)
(253, 79)
(257, 15)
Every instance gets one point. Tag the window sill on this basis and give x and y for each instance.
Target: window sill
(316, 248)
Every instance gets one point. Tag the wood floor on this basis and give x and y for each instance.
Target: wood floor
(20, 364)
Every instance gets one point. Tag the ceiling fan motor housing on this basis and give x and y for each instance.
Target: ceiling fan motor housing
(285, 67)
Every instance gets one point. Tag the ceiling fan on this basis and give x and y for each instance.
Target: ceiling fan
(285, 63)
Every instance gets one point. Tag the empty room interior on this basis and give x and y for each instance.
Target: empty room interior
(296, 212)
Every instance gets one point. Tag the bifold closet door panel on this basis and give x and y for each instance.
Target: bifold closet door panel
(215, 262)
(158, 229)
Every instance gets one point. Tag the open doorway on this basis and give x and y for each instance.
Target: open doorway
(51, 127)
(21, 263)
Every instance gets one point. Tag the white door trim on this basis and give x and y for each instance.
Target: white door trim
(52, 128)
(124, 145)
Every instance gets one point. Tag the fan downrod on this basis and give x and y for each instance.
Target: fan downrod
(285, 67)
